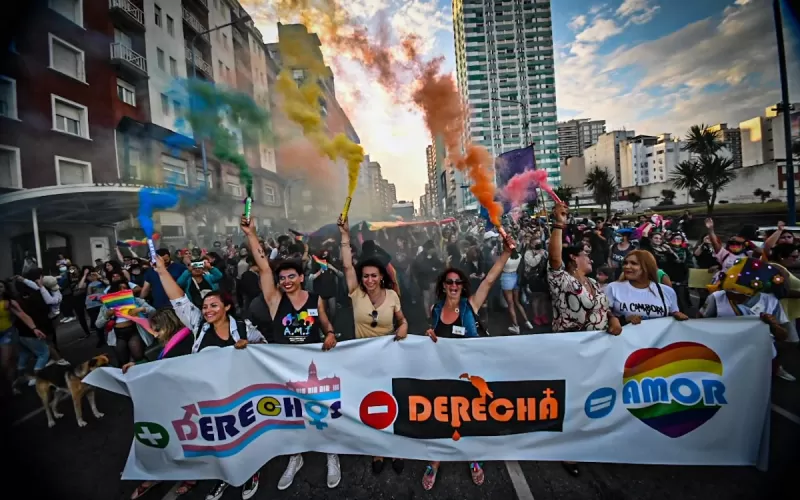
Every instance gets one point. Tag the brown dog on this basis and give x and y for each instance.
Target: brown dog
(68, 378)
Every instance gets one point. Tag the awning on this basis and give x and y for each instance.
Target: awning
(95, 204)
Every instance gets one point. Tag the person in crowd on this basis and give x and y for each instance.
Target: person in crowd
(153, 283)
(212, 325)
(200, 279)
(578, 303)
(32, 337)
(48, 288)
(128, 338)
(622, 246)
(638, 295)
(604, 275)
(11, 313)
(298, 317)
(76, 296)
(509, 283)
(249, 288)
(735, 248)
(376, 306)
(426, 268)
(784, 257)
(535, 279)
(65, 288)
(324, 279)
(455, 316)
(91, 290)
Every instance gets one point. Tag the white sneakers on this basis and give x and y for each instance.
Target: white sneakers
(334, 471)
(513, 329)
(296, 463)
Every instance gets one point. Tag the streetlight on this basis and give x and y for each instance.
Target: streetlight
(238, 20)
(785, 107)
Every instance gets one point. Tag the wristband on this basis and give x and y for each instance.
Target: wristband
(558, 225)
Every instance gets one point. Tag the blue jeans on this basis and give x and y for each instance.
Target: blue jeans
(37, 347)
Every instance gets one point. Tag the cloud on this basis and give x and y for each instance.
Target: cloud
(577, 22)
(638, 11)
(600, 30)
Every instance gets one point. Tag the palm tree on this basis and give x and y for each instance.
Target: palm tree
(634, 199)
(565, 192)
(686, 176)
(603, 187)
(717, 173)
(703, 142)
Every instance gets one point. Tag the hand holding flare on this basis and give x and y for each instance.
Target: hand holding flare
(508, 242)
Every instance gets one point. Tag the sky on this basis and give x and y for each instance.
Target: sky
(652, 66)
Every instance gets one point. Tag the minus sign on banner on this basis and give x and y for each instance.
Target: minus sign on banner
(372, 410)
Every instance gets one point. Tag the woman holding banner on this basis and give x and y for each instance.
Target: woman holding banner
(455, 316)
(578, 303)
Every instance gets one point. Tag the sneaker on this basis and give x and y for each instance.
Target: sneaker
(782, 373)
(513, 329)
(62, 362)
(63, 320)
(218, 490)
(334, 471)
(295, 464)
(528, 325)
(250, 487)
(70, 319)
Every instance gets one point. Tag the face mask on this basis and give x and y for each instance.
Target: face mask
(617, 239)
(62, 269)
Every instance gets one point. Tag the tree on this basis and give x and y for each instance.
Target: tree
(603, 187)
(764, 195)
(668, 196)
(702, 142)
(634, 199)
(686, 176)
(717, 173)
(565, 192)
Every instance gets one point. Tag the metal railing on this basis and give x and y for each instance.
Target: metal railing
(195, 23)
(125, 53)
(201, 64)
(129, 7)
(238, 37)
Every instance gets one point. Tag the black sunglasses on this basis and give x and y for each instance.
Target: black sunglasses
(453, 282)
(374, 315)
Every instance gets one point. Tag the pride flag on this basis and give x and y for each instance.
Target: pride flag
(323, 264)
(119, 300)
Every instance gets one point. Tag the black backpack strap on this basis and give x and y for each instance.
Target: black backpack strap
(663, 302)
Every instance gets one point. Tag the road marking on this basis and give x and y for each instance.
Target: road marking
(518, 480)
(172, 494)
(37, 411)
(786, 414)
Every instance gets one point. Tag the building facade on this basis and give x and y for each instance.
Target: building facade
(504, 68)
(605, 154)
(576, 135)
(732, 138)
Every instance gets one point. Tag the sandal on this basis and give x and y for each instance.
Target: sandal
(143, 488)
(185, 487)
(429, 477)
(477, 473)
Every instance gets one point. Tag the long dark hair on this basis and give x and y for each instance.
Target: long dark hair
(465, 288)
(386, 281)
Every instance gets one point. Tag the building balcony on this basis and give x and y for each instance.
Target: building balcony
(131, 63)
(127, 14)
(200, 63)
(239, 37)
(195, 25)
(202, 3)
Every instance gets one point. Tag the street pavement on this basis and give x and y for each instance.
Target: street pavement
(68, 462)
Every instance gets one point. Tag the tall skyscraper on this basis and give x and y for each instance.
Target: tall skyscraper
(504, 63)
(576, 135)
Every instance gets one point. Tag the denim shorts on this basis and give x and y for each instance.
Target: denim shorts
(508, 281)
(8, 337)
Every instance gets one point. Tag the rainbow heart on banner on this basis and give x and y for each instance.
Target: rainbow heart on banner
(674, 389)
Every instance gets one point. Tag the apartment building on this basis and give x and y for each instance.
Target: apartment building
(504, 67)
(574, 136)
(605, 154)
(90, 111)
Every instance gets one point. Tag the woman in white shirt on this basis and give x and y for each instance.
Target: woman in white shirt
(509, 283)
(638, 295)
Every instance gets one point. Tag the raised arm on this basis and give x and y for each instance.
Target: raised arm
(774, 237)
(554, 247)
(268, 288)
(171, 288)
(479, 297)
(712, 235)
(347, 256)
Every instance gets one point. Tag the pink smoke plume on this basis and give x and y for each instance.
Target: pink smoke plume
(521, 185)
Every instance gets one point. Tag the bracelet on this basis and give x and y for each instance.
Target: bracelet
(558, 225)
(344, 243)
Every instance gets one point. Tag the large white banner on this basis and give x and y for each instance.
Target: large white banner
(663, 392)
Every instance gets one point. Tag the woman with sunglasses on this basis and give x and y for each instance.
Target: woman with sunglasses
(376, 306)
(455, 316)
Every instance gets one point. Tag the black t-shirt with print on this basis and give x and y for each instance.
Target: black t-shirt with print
(198, 291)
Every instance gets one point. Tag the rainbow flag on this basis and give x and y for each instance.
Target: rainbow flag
(323, 264)
(120, 300)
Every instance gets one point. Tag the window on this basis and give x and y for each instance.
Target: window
(170, 26)
(66, 58)
(126, 92)
(8, 97)
(174, 170)
(173, 67)
(160, 58)
(269, 194)
(10, 168)
(71, 9)
(70, 117)
(158, 15)
(70, 171)
(225, 41)
(164, 104)
(221, 70)
(234, 189)
(134, 163)
(176, 108)
(298, 74)
(199, 177)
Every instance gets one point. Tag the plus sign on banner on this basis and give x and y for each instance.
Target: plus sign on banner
(151, 434)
